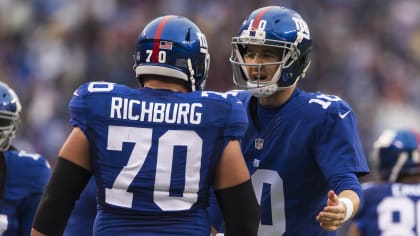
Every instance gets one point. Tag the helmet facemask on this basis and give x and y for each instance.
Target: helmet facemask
(257, 82)
(8, 125)
(9, 115)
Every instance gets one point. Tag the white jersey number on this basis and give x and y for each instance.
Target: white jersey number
(407, 210)
(142, 139)
(273, 220)
(3, 223)
(325, 100)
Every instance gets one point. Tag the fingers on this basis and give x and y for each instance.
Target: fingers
(332, 199)
(331, 220)
(332, 216)
(330, 227)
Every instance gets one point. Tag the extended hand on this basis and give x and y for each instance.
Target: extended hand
(332, 217)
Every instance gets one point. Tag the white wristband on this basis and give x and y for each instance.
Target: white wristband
(349, 207)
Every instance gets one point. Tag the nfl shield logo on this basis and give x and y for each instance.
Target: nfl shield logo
(259, 143)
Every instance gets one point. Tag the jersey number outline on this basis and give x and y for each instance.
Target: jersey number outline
(409, 213)
(325, 100)
(273, 219)
(3, 223)
(142, 139)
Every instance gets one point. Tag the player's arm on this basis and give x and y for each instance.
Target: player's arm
(353, 230)
(70, 176)
(234, 192)
(354, 201)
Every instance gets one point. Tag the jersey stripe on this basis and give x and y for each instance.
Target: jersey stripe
(156, 42)
(257, 19)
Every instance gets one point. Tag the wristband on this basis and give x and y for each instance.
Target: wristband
(349, 207)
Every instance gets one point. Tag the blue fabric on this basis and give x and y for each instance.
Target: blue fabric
(83, 215)
(390, 208)
(27, 176)
(295, 154)
(154, 153)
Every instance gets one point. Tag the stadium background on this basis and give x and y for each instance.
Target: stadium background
(367, 52)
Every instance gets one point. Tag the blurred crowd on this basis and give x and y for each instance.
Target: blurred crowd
(365, 51)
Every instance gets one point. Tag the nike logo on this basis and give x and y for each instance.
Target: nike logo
(342, 116)
(75, 93)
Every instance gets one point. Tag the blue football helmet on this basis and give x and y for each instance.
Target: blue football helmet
(9, 115)
(173, 47)
(396, 153)
(279, 29)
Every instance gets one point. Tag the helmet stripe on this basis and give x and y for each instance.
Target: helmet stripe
(257, 19)
(417, 135)
(156, 42)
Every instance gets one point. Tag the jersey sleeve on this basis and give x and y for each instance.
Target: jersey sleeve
(78, 108)
(360, 220)
(338, 147)
(34, 171)
(27, 212)
(237, 122)
(34, 174)
(43, 174)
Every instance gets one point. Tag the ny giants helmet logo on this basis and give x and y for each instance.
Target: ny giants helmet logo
(302, 29)
(203, 43)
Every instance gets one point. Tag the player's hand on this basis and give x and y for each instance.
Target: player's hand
(215, 233)
(332, 217)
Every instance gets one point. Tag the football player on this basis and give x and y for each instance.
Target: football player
(302, 148)
(392, 205)
(23, 175)
(155, 151)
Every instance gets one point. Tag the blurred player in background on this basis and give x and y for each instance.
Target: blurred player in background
(23, 175)
(392, 205)
(155, 151)
(303, 149)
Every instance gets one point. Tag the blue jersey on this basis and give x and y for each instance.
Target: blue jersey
(83, 215)
(153, 154)
(292, 151)
(389, 209)
(27, 176)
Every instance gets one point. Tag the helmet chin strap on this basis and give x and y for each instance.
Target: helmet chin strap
(265, 89)
(268, 90)
(395, 172)
(190, 68)
(262, 92)
(6, 139)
